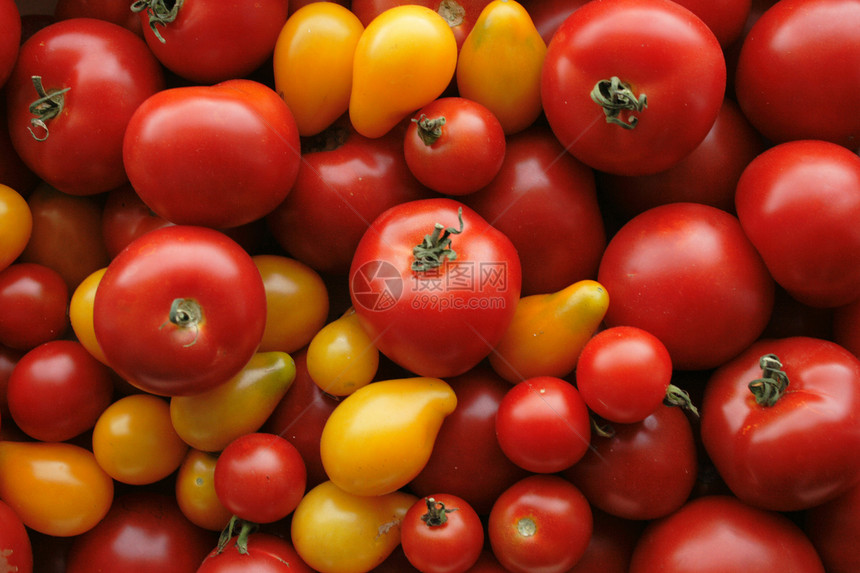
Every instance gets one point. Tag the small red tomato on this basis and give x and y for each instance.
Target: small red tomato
(442, 533)
(33, 305)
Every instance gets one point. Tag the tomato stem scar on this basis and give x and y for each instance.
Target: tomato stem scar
(615, 96)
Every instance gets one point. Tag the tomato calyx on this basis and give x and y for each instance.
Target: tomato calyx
(437, 513)
(773, 382)
(245, 529)
(615, 96)
(436, 247)
(429, 130)
(186, 313)
(451, 12)
(48, 106)
(679, 397)
(160, 12)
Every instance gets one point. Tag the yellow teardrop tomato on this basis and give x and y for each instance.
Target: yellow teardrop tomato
(338, 532)
(134, 440)
(81, 314)
(500, 64)
(296, 303)
(195, 491)
(16, 225)
(210, 420)
(548, 332)
(313, 63)
(341, 356)
(381, 436)
(55, 488)
(404, 59)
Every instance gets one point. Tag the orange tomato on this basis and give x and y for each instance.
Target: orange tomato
(81, 314)
(195, 491)
(16, 225)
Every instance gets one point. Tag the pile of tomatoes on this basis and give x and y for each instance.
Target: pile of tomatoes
(562, 286)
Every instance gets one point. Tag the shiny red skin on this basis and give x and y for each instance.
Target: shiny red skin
(33, 305)
(267, 553)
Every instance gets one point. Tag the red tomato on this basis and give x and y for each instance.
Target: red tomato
(16, 552)
(460, 14)
(8, 360)
(34, 301)
(10, 38)
(454, 145)
(226, 154)
(142, 531)
(260, 477)
(816, 259)
(803, 48)
(725, 19)
(611, 545)
(208, 41)
(547, 15)
(344, 182)
(846, 327)
(715, 534)
(643, 105)
(435, 286)
(545, 201)
(641, 471)
(687, 273)
(778, 419)
(125, 217)
(834, 529)
(543, 424)
(58, 390)
(170, 305)
(267, 553)
(90, 73)
(116, 12)
(623, 374)
(541, 523)
(442, 533)
(466, 445)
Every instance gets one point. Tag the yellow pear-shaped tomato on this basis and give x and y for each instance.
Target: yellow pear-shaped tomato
(313, 63)
(81, 313)
(342, 357)
(405, 59)
(500, 64)
(55, 488)
(210, 420)
(548, 332)
(381, 436)
(338, 532)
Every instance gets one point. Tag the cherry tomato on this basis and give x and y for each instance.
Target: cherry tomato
(125, 217)
(342, 357)
(543, 424)
(195, 491)
(442, 533)
(58, 390)
(33, 305)
(171, 302)
(540, 523)
(16, 225)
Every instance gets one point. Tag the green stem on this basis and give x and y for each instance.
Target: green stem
(48, 106)
(773, 382)
(615, 96)
(436, 247)
(429, 130)
(677, 397)
(245, 529)
(437, 513)
(160, 12)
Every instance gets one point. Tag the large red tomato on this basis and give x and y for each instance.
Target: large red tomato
(435, 286)
(180, 310)
(778, 420)
(631, 87)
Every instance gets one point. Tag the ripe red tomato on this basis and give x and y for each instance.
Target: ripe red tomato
(714, 534)
(17, 552)
(10, 32)
(442, 533)
(116, 12)
(125, 217)
(454, 145)
(435, 286)
(58, 390)
(547, 15)
(778, 419)
(33, 305)
(803, 48)
(267, 553)
(543, 424)
(541, 523)
(545, 201)
(623, 374)
(641, 471)
(227, 154)
(611, 545)
(172, 303)
(90, 73)
(834, 529)
(643, 105)
(687, 273)
(260, 477)
(816, 259)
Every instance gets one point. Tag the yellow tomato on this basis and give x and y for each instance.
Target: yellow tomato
(210, 420)
(195, 491)
(55, 488)
(404, 59)
(337, 532)
(81, 314)
(500, 64)
(296, 303)
(548, 332)
(134, 440)
(381, 436)
(313, 63)
(16, 225)
(342, 357)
